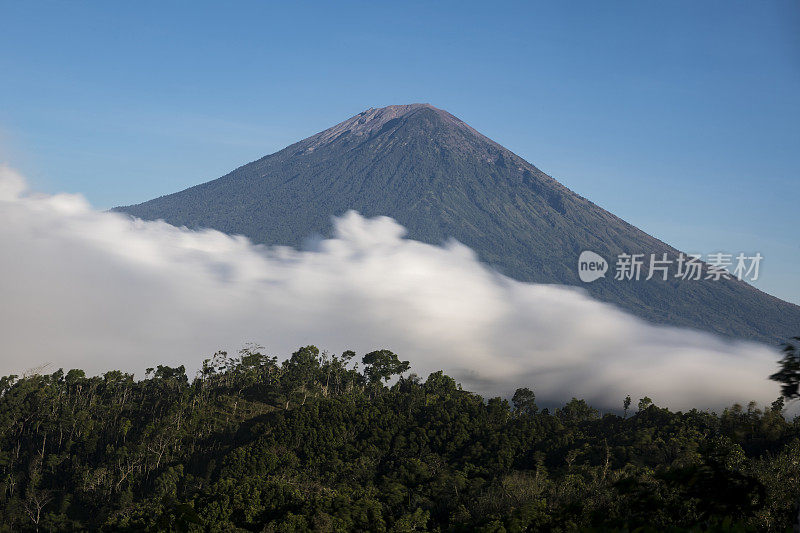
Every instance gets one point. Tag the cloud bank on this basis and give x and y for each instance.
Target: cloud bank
(99, 291)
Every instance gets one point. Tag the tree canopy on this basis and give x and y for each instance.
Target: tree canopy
(314, 443)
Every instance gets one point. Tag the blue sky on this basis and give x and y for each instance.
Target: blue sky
(680, 117)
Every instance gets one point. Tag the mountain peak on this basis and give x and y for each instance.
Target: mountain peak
(398, 111)
(376, 120)
(402, 108)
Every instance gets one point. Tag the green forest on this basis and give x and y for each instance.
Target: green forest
(323, 442)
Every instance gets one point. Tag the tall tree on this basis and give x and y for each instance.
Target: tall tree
(382, 365)
(789, 374)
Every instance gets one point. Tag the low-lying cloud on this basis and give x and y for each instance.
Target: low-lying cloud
(99, 291)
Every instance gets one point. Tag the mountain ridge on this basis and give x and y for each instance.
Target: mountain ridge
(441, 179)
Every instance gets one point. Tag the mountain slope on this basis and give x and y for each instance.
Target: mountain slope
(440, 178)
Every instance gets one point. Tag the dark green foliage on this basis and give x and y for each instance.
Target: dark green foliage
(524, 401)
(441, 179)
(789, 374)
(252, 444)
(382, 365)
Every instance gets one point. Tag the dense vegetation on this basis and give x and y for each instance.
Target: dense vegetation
(441, 180)
(312, 443)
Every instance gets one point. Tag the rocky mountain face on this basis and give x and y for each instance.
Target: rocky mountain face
(442, 179)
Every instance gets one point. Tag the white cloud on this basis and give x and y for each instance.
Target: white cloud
(94, 290)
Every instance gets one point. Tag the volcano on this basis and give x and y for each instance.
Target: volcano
(441, 179)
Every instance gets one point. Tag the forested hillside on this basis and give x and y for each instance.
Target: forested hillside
(313, 443)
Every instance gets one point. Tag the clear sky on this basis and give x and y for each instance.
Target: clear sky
(680, 117)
